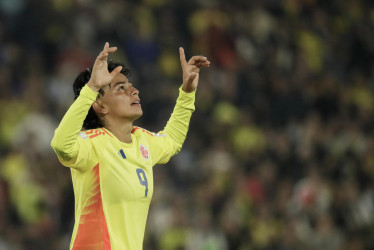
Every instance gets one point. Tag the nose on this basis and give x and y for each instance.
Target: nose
(134, 91)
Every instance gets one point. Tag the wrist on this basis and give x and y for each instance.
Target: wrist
(92, 87)
(187, 93)
(188, 89)
(88, 93)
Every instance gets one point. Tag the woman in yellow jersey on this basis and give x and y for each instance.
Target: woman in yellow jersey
(111, 160)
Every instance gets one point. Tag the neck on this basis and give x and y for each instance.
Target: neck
(121, 130)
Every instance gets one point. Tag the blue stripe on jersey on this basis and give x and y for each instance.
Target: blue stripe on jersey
(122, 154)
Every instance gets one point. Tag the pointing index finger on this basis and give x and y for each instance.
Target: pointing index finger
(182, 57)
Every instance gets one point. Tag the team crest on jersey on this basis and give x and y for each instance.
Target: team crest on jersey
(144, 151)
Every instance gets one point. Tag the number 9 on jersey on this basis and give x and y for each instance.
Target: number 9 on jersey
(142, 179)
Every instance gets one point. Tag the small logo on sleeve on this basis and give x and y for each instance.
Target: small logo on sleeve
(83, 135)
(144, 151)
(159, 135)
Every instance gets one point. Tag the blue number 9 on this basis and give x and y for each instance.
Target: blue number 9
(143, 181)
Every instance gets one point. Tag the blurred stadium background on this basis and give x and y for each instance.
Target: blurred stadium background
(280, 153)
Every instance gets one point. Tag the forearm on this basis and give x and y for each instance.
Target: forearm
(65, 136)
(178, 124)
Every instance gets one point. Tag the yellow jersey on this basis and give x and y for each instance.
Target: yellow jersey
(112, 180)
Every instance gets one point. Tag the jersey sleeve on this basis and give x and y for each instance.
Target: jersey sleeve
(72, 147)
(169, 141)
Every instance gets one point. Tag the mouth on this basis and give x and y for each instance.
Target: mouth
(136, 103)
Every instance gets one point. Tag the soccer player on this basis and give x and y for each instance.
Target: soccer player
(111, 160)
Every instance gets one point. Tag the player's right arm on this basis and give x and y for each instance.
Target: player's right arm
(66, 142)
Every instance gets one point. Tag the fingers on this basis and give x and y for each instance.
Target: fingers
(106, 45)
(203, 64)
(195, 59)
(199, 61)
(108, 49)
(115, 71)
(182, 57)
(103, 56)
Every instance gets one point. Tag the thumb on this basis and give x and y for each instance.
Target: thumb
(115, 71)
(191, 77)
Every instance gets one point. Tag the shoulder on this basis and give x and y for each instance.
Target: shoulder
(141, 131)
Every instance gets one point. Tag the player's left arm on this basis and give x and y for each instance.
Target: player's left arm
(176, 128)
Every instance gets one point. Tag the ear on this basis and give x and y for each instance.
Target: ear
(99, 107)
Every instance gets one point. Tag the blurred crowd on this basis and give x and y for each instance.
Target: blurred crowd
(280, 151)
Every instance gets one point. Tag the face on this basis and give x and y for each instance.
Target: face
(120, 100)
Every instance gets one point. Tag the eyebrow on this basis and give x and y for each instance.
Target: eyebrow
(110, 87)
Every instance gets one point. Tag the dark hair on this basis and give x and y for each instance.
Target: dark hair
(92, 120)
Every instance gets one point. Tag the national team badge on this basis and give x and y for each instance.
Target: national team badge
(144, 152)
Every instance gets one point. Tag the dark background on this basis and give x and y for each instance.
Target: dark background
(280, 149)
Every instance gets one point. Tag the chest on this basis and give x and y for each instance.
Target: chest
(126, 173)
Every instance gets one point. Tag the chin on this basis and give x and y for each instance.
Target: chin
(138, 115)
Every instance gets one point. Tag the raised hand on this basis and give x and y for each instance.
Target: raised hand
(191, 70)
(100, 76)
